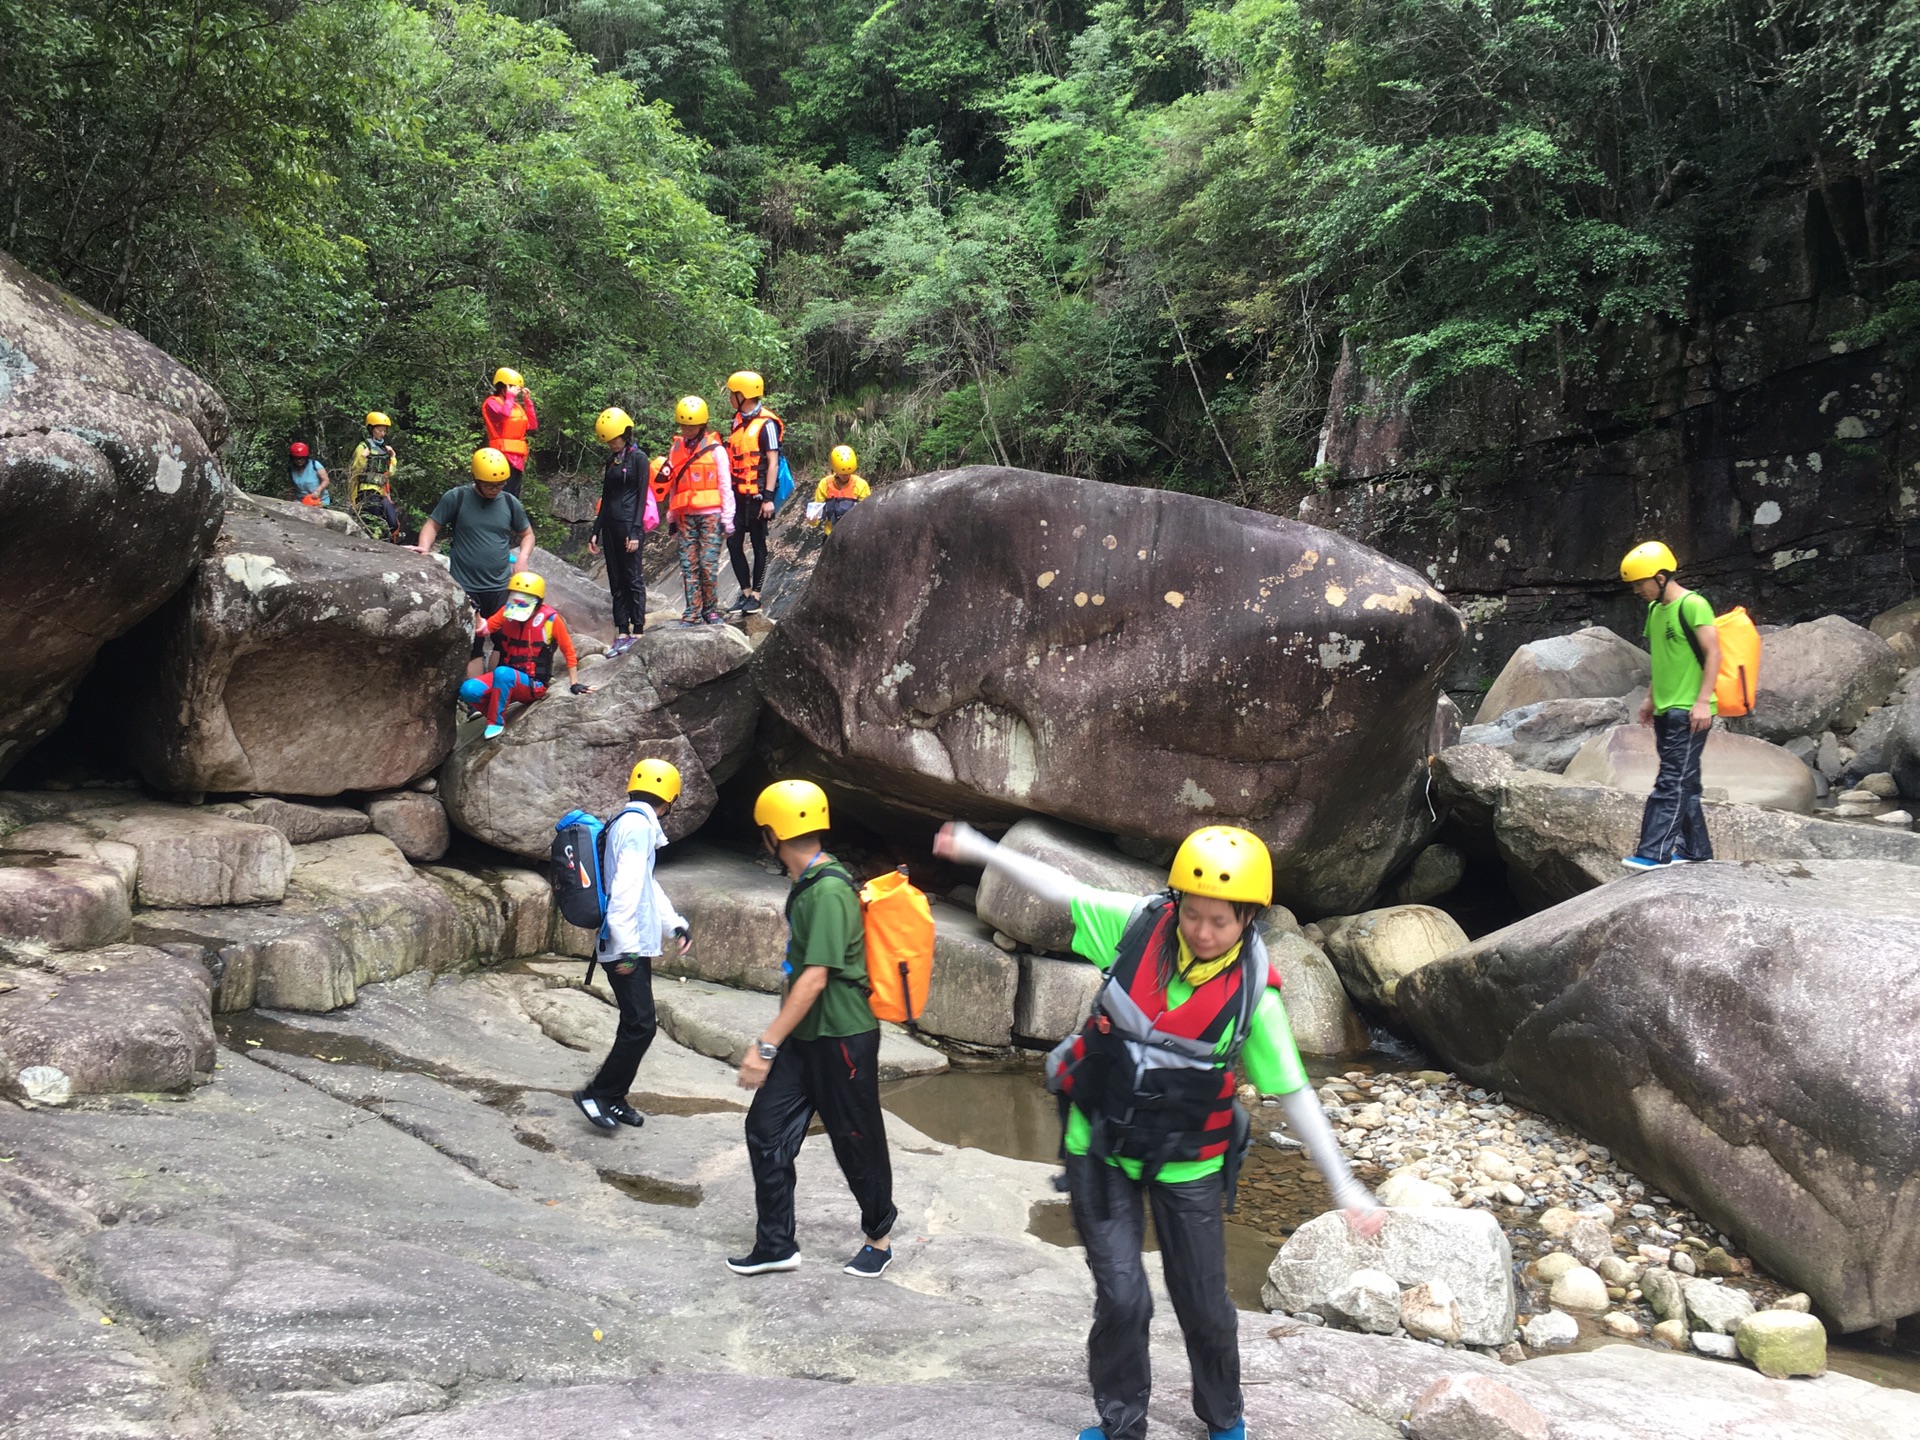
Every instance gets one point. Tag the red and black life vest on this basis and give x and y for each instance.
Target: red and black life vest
(1156, 1082)
(527, 645)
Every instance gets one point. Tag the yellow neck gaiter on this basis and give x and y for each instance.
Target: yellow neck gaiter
(1195, 971)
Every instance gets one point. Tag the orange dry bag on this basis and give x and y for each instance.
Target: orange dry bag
(1738, 682)
(899, 931)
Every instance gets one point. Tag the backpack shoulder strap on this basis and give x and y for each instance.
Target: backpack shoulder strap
(813, 877)
(1686, 627)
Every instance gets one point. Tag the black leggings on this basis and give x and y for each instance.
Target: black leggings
(747, 521)
(837, 1079)
(628, 582)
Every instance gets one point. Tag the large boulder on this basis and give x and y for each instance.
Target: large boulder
(109, 491)
(1739, 768)
(1376, 951)
(1014, 910)
(1054, 998)
(975, 983)
(1900, 628)
(1819, 676)
(681, 695)
(736, 917)
(1548, 733)
(1902, 750)
(125, 1017)
(1593, 663)
(298, 661)
(1705, 1023)
(1560, 837)
(583, 601)
(1321, 1017)
(990, 642)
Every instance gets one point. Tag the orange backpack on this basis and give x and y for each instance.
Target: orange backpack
(899, 931)
(1738, 682)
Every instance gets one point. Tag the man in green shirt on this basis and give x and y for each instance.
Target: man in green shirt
(821, 1054)
(1680, 705)
(492, 539)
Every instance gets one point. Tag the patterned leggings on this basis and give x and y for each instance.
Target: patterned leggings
(701, 537)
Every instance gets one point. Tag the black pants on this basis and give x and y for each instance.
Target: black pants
(485, 603)
(838, 1080)
(1188, 1219)
(747, 522)
(628, 582)
(1674, 824)
(515, 479)
(634, 1035)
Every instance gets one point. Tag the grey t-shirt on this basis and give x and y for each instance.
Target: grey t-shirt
(481, 534)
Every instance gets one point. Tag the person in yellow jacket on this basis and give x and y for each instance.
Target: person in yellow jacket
(370, 479)
(840, 491)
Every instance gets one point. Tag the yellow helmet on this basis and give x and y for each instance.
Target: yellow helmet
(1643, 562)
(691, 410)
(612, 424)
(843, 460)
(747, 384)
(491, 467)
(528, 583)
(790, 808)
(507, 375)
(378, 417)
(656, 778)
(1224, 862)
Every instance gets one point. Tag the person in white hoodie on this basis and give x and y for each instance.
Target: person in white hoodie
(640, 918)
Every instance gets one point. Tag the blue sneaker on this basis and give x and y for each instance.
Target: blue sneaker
(1640, 862)
(492, 731)
(1235, 1431)
(1092, 1432)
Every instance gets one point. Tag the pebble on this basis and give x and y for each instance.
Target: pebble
(1580, 1290)
(1550, 1331)
(1721, 1347)
(1894, 817)
(1683, 1262)
(1671, 1333)
(1880, 785)
(1616, 1322)
(1590, 1241)
(1798, 1304)
(1717, 1262)
(1549, 1268)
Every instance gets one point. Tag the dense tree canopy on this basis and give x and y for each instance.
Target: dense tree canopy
(1124, 239)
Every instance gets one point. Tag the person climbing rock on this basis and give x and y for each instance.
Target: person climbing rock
(839, 490)
(698, 485)
(620, 521)
(821, 1053)
(1680, 706)
(753, 454)
(508, 417)
(492, 538)
(370, 479)
(307, 475)
(528, 631)
(1189, 1001)
(640, 918)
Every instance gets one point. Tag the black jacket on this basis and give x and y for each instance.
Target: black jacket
(623, 498)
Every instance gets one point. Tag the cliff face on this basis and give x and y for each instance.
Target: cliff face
(1781, 465)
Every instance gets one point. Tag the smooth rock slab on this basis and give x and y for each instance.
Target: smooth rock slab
(1055, 996)
(61, 903)
(736, 914)
(127, 1017)
(975, 983)
(720, 1022)
(1088, 857)
(1465, 1248)
(1549, 733)
(302, 824)
(1736, 768)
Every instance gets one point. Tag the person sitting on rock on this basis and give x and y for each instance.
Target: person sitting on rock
(370, 479)
(640, 917)
(1189, 999)
(527, 631)
(1680, 706)
(307, 475)
(839, 491)
(820, 1055)
(622, 516)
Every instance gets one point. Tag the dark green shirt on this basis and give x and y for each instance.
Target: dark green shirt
(826, 930)
(481, 536)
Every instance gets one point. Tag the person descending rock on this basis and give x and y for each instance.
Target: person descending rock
(640, 917)
(509, 419)
(370, 479)
(307, 475)
(528, 631)
(1188, 1001)
(620, 522)
(753, 454)
(839, 491)
(821, 1053)
(698, 485)
(1680, 706)
(492, 538)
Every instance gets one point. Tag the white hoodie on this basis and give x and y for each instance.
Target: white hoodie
(640, 917)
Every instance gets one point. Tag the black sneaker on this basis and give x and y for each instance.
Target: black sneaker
(869, 1264)
(626, 1114)
(598, 1112)
(750, 606)
(758, 1264)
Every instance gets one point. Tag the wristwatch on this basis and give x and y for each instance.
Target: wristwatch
(767, 1052)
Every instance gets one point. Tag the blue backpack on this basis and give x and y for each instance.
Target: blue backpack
(783, 485)
(580, 867)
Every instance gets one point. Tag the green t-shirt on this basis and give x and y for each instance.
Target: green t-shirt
(480, 536)
(1269, 1061)
(1676, 669)
(825, 929)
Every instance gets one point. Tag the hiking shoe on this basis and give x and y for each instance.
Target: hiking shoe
(599, 1114)
(1684, 860)
(869, 1264)
(1640, 862)
(1235, 1431)
(491, 731)
(750, 606)
(758, 1264)
(625, 1113)
(714, 617)
(691, 618)
(620, 646)
(1092, 1432)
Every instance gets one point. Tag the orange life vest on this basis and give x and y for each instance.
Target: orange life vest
(744, 448)
(511, 436)
(694, 475)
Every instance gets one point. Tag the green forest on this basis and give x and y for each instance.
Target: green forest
(1124, 240)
